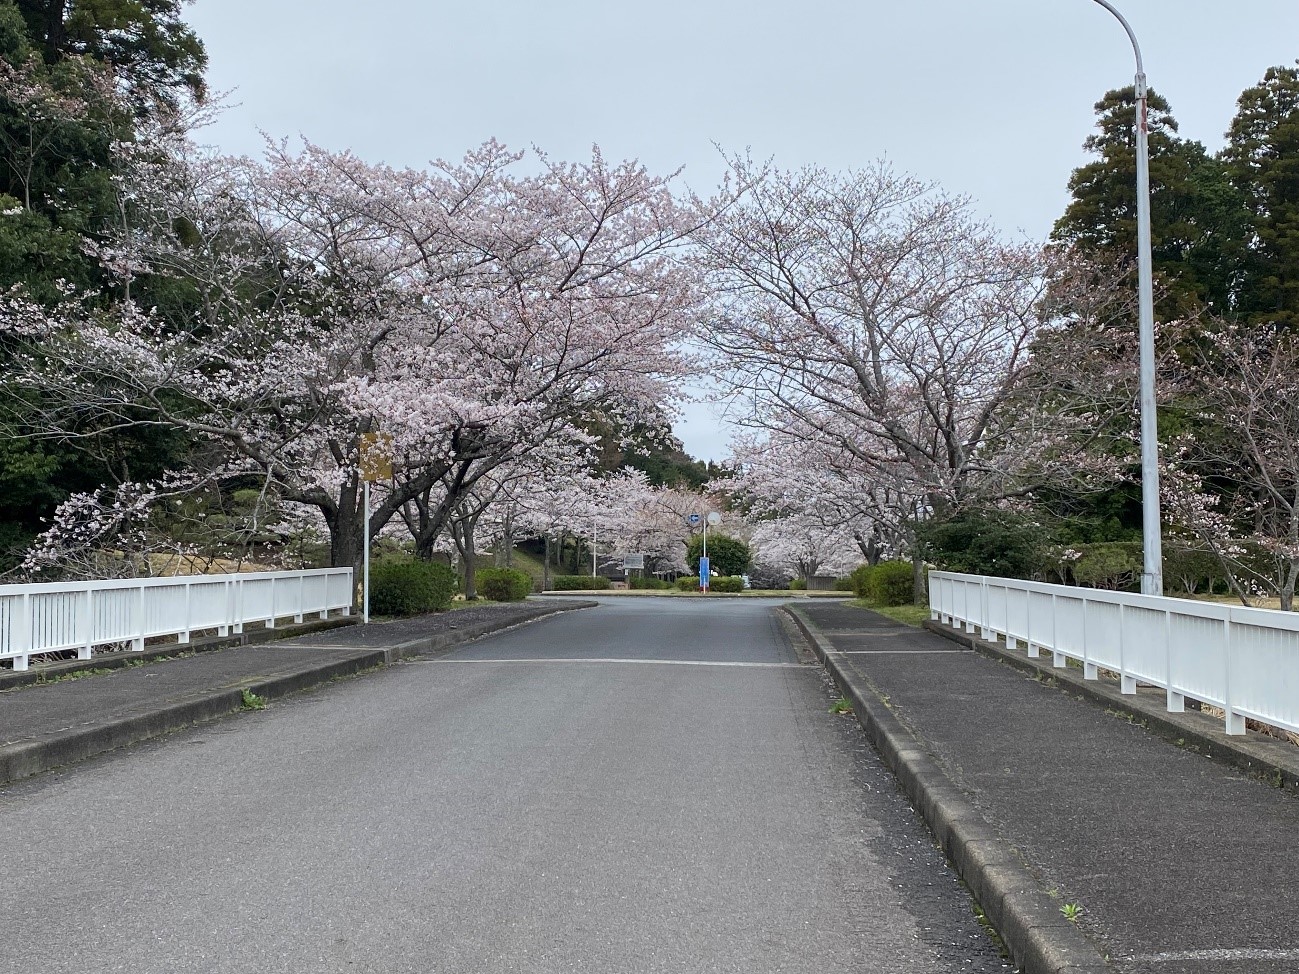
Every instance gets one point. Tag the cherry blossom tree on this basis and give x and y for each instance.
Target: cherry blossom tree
(1233, 487)
(872, 315)
(469, 313)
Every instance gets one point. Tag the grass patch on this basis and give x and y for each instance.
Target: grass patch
(251, 701)
(911, 615)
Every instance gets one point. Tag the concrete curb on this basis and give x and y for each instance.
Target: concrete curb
(1274, 760)
(27, 758)
(1039, 938)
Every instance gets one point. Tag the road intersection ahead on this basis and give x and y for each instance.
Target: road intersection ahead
(652, 785)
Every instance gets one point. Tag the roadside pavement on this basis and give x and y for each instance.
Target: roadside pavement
(85, 710)
(1050, 803)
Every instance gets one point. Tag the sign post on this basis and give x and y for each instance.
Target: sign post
(375, 463)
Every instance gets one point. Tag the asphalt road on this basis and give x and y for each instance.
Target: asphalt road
(648, 786)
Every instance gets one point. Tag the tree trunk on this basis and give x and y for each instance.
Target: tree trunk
(468, 557)
(545, 567)
(918, 578)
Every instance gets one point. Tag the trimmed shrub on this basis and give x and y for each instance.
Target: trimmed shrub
(892, 583)
(861, 580)
(503, 584)
(726, 555)
(843, 584)
(636, 581)
(687, 583)
(797, 584)
(579, 583)
(407, 588)
(726, 583)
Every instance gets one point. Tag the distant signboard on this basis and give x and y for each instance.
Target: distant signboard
(633, 561)
(693, 520)
(703, 573)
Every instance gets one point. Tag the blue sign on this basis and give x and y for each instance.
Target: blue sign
(693, 519)
(703, 573)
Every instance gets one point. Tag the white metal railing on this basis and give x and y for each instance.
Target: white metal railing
(58, 616)
(1244, 660)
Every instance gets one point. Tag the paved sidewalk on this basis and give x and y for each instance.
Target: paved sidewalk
(1180, 864)
(44, 726)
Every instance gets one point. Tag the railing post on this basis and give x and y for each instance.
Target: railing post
(22, 630)
(184, 635)
(237, 600)
(1127, 684)
(302, 596)
(229, 607)
(985, 622)
(270, 622)
(86, 626)
(1176, 701)
(137, 644)
(1235, 722)
(1089, 668)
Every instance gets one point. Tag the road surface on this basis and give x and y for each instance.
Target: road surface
(653, 785)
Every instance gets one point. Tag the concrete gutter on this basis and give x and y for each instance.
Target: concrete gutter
(1270, 758)
(1039, 938)
(69, 745)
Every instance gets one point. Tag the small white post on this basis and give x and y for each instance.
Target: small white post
(1127, 684)
(22, 630)
(1176, 701)
(183, 637)
(137, 644)
(87, 625)
(1235, 722)
(365, 571)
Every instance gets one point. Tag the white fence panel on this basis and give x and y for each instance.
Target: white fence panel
(1243, 660)
(48, 618)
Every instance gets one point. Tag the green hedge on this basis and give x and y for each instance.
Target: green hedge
(843, 584)
(503, 584)
(861, 580)
(726, 583)
(892, 583)
(798, 585)
(407, 588)
(635, 581)
(579, 583)
(687, 583)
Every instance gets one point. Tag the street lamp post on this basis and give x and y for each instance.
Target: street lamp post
(1152, 576)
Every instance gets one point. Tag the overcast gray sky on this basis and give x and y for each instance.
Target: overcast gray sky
(990, 99)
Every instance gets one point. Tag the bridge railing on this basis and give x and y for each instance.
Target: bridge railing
(1244, 660)
(53, 617)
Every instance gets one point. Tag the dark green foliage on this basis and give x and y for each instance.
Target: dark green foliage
(579, 583)
(1200, 227)
(687, 584)
(503, 584)
(797, 585)
(726, 583)
(986, 541)
(860, 580)
(405, 588)
(726, 555)
(148, 44)
(637, 582)
(1114, 565)
(892, 583)
(1192, 572)
(843, 584)
(1262, 160)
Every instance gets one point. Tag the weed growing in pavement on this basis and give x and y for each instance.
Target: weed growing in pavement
(45, 678)
(1071, 912)
(841, 706)
(251, 701)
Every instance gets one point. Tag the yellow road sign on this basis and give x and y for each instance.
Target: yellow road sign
(376, 456)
